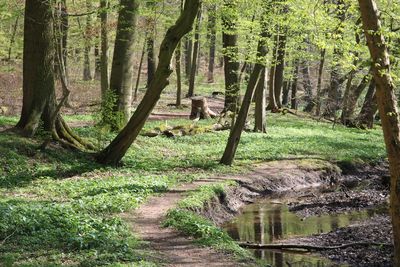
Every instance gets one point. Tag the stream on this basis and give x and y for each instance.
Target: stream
(269, 221)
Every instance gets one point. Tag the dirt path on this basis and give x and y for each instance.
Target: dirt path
(170, 245)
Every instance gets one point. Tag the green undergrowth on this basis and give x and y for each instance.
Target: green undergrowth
(184, 219)
(40, 190)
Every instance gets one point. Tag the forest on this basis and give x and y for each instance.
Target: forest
(199, 133)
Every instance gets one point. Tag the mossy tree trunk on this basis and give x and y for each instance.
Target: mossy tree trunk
(87, 72)
(388, 109)
(122, 65)
(212, 23)
(39, 99)
(119, 146)
(150, 35)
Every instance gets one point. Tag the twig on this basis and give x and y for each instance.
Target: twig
(7, 237)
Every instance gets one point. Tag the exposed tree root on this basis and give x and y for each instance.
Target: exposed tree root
(310, 247)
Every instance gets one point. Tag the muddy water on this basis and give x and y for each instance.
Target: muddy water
(266, 222)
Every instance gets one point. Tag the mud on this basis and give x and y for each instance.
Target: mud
(317, 191)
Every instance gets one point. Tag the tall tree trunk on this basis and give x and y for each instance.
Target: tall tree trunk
(260, 98)
(188, 56)
(285, 94)
(351, 99)
(120, 145)
(151, 61)
(237, 129)
(178, 69)
(334, 93)
(39, 99)
(279, 68)
(195, 58)
(122, 65)
(12, 39)
(104, 47)
(293, 101)
(212, 23)
(319, 85)
(231, 64)
(87, 74)
(97, 63)
(309, 98)
(367, 114)
(387, 104)
(135, 95)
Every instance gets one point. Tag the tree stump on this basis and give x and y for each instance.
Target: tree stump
(200, 109)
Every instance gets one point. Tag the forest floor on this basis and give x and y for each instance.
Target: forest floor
(60, 208)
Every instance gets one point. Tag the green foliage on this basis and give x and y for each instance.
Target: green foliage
(206, 233)
(108, 118)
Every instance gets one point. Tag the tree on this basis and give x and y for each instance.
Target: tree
(119, 146)
(212, 21)
(231, 63)
(151, 25)
(87, 73)
(122, 65)
(39, 99)
(104, 47)
(237, 129)
(196, 48)
(387, 104)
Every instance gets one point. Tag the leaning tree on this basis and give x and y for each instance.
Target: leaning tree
(387, 104)
(119, 146)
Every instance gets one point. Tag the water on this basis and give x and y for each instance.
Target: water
(265, 222)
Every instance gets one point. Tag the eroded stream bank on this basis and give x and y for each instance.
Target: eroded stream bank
(313, 203)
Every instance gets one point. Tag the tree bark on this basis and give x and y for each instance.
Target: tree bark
(195, 58)
(237, 129)
(104, 79)
(188, 55)
(279, 68)
(309, 98)
(135, 94)
(150, 35)
(261, 105)
(212, 22)
(12, 39)
(319, 85)
(231, 64)
(350, 102)
(87, 75)
(293, 101)
(122, 65)
(367, 114)
(387, 104)
(120, 145)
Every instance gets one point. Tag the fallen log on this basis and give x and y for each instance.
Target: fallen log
(311, 247)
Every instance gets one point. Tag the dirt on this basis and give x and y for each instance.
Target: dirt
(320, 191)
(174, 249)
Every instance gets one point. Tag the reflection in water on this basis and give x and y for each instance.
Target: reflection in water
(265, 223)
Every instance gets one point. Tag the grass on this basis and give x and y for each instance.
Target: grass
(206, 233)
(59, 207)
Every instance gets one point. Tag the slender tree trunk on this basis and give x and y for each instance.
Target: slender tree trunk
(212, 22)
(151, 61)
(97, 63)
(279, 69)
(188, 56)
(350, 102)
(12, 39)
(237, 129)
(178, 69)
(87, 74)
(104, 47)
(293, 101)
(261, 105)
(122, 65)
(367, 114)
(135, 95)
(231, 64)
(285, 95)
(319, 85)
(120, 145)
(387, 104)
(309, 98)
(196, 47)
(334, 93)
